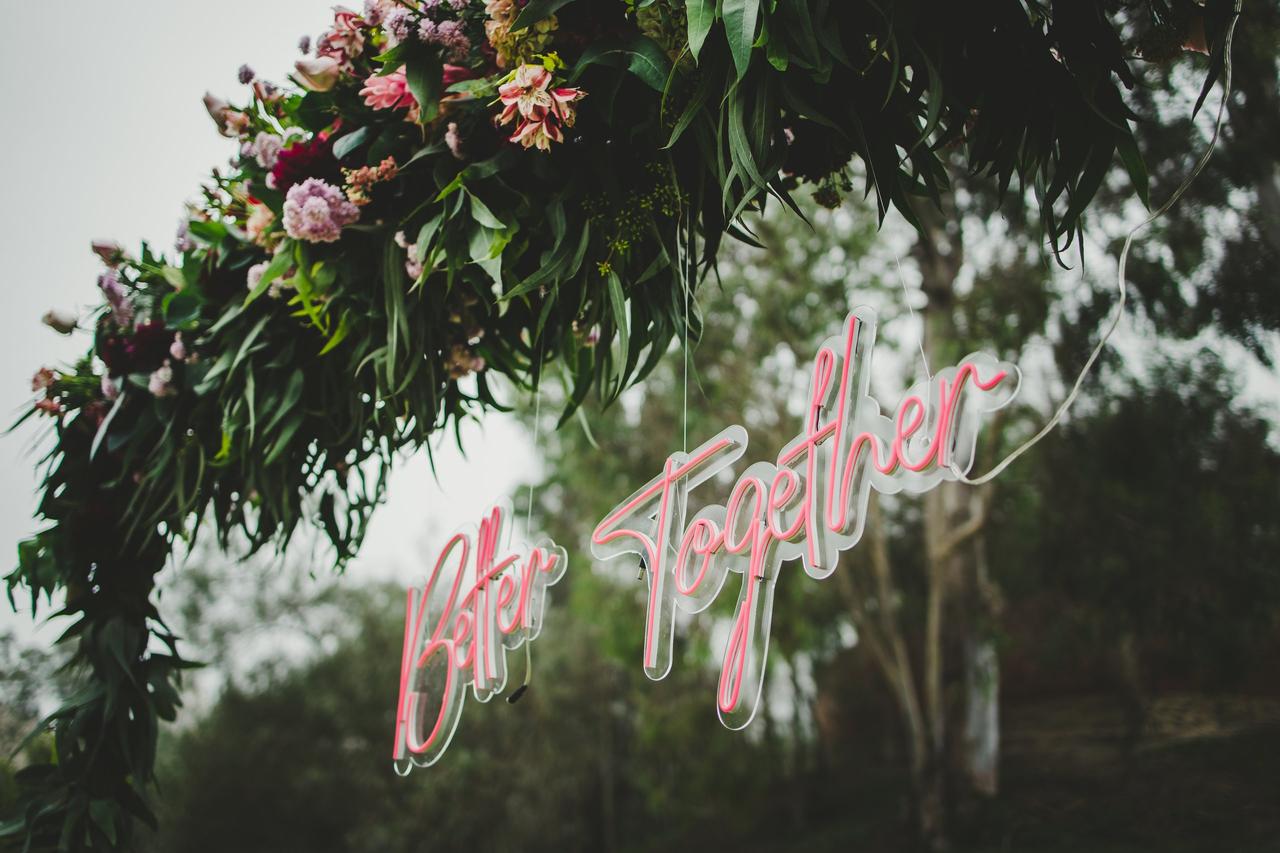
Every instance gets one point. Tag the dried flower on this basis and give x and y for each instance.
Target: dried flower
(316, 212)
(513, 48)
(360, 181)
(62, 322)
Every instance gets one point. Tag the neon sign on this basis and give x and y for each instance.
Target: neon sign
(480, 600)
(810, 504)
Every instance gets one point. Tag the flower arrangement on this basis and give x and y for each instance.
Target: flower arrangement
(456, 189)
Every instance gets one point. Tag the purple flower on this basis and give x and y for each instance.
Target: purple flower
(397, 23)
(266, 149)
(453, 42)
(183, 242)
(316, 212)
(304, 45)
(245, 75)
(255, 274)
(117, 298)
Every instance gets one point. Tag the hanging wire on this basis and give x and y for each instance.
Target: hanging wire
(1123, 285)
(515, 695)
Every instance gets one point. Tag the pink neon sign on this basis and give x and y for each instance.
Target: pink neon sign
(810, 504)
(480, 600)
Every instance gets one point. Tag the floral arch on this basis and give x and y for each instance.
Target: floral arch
(458, 188)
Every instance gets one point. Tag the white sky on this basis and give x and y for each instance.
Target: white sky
(105, 136)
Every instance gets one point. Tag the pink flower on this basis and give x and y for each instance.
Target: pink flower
(52, 408)
(538, 134)
(317, 212)
(346, 40)
(109, 251)
(565, 97)
(109, 388)
(526, 94)
(255, 274)
(453, 139)
(43, 378)
(160, 383)
(388, 92)
(259, 222)
(541, 109)
(177, 349)
(319, 74)
(266, 149)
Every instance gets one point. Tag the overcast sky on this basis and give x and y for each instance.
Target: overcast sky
(105, 136)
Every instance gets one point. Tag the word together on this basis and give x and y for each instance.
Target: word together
(809, 504)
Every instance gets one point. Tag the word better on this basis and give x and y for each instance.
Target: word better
(480, 600)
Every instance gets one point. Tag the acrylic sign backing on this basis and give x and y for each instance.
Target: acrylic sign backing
(810, 504)
(480, 600)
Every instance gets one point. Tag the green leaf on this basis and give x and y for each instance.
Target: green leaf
(1127, 147)
(278, 266)
(425, 76)
(642, 56)
(618, 301)
(537, 10)
(182, 310)
(351, 142)
(701, 15)
(740, 18)
(481, 213)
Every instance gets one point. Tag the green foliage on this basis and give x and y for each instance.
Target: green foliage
(293, 397)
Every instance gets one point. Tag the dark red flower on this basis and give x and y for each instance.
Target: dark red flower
(303, 160)
(141, 351)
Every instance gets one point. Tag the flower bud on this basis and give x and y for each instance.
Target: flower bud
(109, 250)
(218, 110)
(318, 74)
(62, 322)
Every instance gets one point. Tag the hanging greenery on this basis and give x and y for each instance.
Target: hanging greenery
(457, 189)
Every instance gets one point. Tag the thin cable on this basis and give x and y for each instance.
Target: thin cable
(528, 527)
(906, 297)
(1123, 285)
